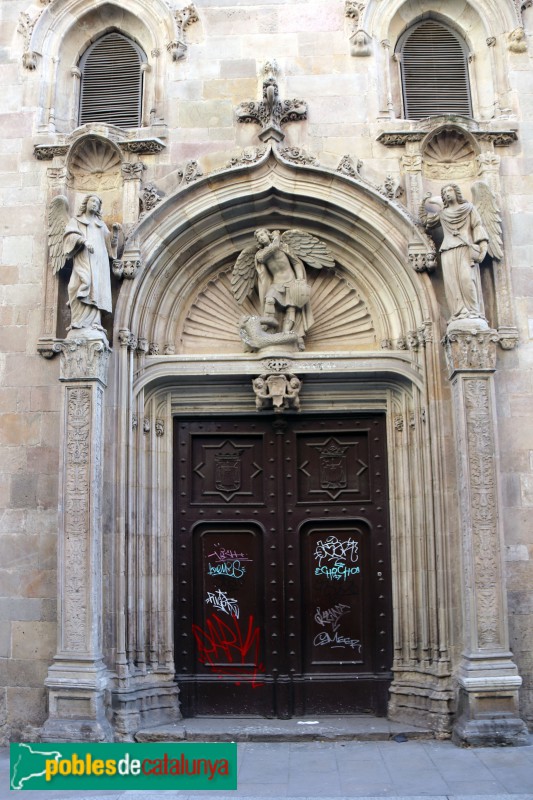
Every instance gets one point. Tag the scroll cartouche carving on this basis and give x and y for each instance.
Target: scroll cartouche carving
(86, 240)
(278, 392)
(276, 265)
(465, 244)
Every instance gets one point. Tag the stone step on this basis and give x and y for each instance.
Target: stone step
(363, 728)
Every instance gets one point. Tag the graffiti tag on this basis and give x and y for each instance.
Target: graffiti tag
(231, 643)
(324, 638)
(338, 571)
(332, 549)
(222, 554)
(222, 602)
(331, 616)
(232, 569)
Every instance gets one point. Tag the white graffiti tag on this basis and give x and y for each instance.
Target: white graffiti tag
(332, 549)
(331, 616)
(220, 600)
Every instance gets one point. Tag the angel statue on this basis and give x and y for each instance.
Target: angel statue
(275, 263)
(86, 240)
(471, 232)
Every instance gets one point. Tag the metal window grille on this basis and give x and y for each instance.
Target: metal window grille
(434, 67)
(111, 82)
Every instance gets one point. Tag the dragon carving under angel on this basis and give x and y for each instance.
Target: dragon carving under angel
(275, 265)
(85, 239)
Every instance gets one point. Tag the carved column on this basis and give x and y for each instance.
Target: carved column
(488, 678)
(77, 679)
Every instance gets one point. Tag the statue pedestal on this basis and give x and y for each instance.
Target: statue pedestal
(488, 679)
(77, 679)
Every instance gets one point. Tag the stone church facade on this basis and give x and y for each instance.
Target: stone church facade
(266, 422)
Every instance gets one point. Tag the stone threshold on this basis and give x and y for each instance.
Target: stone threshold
(362, 728)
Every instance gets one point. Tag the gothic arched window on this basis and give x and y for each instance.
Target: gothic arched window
(434, 67)
(111, 82)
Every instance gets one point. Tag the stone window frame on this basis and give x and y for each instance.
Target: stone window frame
(63, 31)
(484, 26)
(82, 63)
(399, 54)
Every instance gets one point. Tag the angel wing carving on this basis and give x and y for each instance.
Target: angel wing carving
(485, 202)
(307, 247)
(58, 217)
(243, 275)
(294, 243)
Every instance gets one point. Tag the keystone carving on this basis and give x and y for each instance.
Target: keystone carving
(271, 112)
(279, 392)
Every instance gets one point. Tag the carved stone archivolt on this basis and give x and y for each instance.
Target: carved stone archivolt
(342, 319)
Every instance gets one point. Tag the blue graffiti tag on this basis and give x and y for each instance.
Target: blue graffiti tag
(232, 569)
(337, 572)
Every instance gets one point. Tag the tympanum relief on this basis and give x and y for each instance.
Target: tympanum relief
(341, 318)
(275, 267)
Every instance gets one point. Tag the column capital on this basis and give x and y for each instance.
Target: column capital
(84, 359)
(467, 351)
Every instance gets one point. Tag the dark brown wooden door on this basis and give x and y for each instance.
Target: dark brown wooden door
(282, 566)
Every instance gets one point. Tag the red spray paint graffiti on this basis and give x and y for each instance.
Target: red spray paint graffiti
(231, 644)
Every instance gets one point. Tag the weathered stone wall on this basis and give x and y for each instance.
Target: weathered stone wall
(349, 105)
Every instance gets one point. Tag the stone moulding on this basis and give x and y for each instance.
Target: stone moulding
(46, 152)
(502, 138)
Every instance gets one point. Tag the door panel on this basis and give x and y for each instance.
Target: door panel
(282, 601)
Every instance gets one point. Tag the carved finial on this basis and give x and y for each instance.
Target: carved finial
(271, 112)
(25, 27)
(178, 47)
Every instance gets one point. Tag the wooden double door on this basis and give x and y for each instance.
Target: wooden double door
(282, 599)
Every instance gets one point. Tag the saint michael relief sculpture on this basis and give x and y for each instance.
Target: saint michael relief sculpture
(275, 266)
(471, 232)
(86, 240)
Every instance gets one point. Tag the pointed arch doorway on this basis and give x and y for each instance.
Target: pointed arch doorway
(282, 565)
